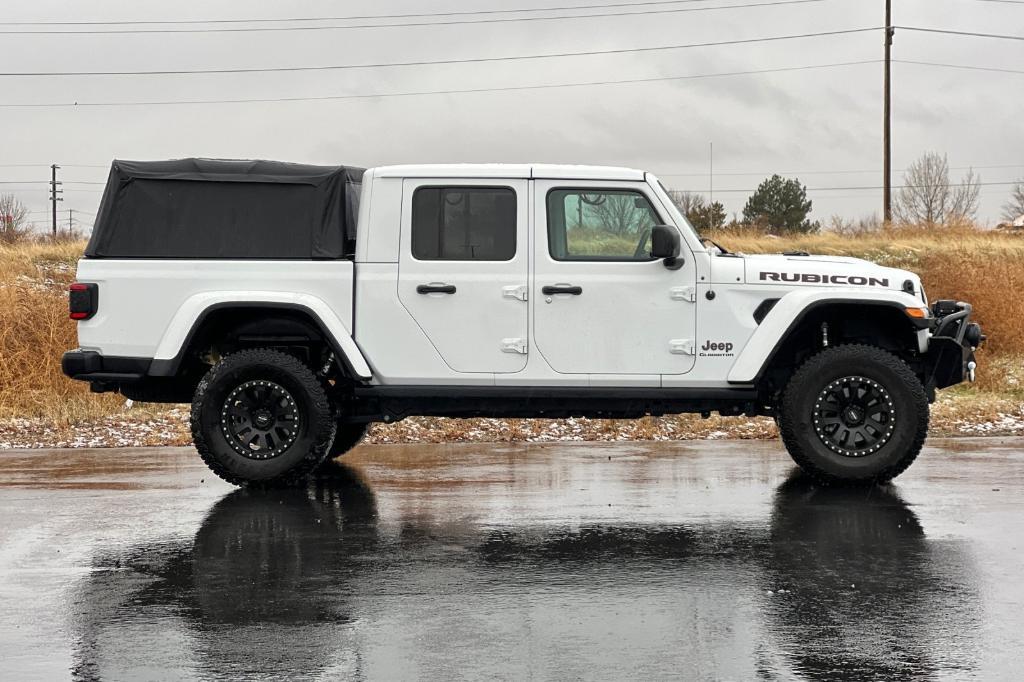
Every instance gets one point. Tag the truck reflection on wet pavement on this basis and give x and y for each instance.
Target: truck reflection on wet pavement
(697, 561)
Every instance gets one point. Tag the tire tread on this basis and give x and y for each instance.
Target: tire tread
(321, 420)
(812, 368)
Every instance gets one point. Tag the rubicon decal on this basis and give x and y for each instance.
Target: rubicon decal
(814, 278)
(716, 349)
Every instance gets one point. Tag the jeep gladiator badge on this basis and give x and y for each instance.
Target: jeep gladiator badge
(713, 349)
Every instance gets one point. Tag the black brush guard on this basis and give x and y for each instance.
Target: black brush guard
(950, 359)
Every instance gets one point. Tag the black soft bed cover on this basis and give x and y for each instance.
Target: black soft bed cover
(213, 208)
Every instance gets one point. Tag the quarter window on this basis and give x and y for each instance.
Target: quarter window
(464, 223)
(599, 224)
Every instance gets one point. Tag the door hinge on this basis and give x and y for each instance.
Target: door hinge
(681, 346)
(683, 294)
(514, 346)
(514, 291)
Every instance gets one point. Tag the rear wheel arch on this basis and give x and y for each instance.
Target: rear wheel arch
(232, 326)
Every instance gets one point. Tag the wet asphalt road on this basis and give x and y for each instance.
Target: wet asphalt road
(703, 560)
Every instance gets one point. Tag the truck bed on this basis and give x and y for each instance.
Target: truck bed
(147, 307)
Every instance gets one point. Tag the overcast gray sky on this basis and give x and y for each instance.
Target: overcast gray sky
(821, 125)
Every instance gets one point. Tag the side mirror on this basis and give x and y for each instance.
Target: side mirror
(665, 244)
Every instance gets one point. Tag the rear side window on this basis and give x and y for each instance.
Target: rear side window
(464, 223)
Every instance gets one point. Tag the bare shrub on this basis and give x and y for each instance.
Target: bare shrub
(1014, 208)
(686, 201)
(13, 219)
(855, 228)
(928, 197)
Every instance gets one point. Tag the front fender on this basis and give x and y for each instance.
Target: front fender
(195, 308)
(790, 311)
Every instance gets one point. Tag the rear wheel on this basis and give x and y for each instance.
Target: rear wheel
(261, 417)
(854, 414)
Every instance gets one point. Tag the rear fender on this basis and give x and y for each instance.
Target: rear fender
(192, 312)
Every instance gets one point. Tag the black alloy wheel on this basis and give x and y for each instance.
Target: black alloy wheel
(854, 416)
(260, 419)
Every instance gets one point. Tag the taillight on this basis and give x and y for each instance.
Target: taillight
(83, 299)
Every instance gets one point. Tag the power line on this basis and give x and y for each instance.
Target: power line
(264, 100)
(876, 187)
(960, 33)
(264, 29)
(76, 190)
(794, 173)
(513, 88)
(47, 165)
(47, 182)
(958, 66)
(354, 17)
(825, 172)
(437, 62)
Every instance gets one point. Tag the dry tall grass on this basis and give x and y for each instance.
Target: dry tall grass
(35, 331)
(984, 268)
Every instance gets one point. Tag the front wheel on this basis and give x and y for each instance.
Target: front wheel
(854, 414)
(347, 437)
(261, 417)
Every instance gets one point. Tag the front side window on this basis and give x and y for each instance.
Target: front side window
(599, 224)
(464, 223)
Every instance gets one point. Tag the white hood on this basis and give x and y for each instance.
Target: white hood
(824, 271)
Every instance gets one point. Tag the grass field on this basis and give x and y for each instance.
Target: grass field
(985, 268)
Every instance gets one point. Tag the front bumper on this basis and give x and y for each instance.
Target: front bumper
(950, 358)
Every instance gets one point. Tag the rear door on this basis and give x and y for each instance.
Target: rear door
(601, 305)
(463, 269)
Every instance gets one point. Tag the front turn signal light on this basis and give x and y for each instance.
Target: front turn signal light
(919, 313)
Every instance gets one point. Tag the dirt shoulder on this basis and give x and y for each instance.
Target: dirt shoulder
(954, 414)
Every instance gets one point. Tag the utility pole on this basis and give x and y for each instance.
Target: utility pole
(887, 120)
(71, 220)
(53, 195)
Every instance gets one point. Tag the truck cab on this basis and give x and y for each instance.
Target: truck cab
(525, 275)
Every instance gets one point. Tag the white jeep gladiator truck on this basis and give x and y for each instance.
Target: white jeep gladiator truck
(293, 305)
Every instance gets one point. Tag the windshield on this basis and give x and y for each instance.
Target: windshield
(670, 206)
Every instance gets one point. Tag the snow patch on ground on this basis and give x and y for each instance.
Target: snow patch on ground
(1003, 424)
(135, 427)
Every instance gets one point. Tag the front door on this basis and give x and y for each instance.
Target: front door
(463, 269)
(601, 304)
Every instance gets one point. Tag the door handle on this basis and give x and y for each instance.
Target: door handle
(435, 289)
(561, 289)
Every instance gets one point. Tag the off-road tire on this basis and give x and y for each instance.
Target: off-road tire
(316, 419)
(909, 422)
(346, 438)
